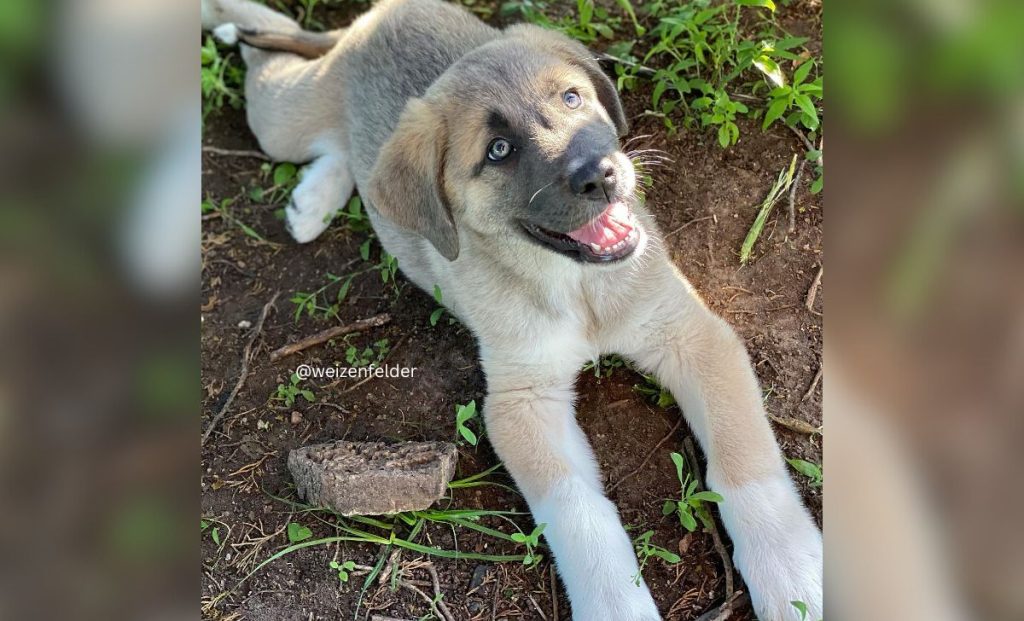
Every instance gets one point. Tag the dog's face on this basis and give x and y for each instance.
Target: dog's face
(517, 141)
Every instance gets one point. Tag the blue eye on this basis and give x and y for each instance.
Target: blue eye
(499, 149)
(572, 99)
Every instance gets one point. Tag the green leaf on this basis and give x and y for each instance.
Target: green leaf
(805, 468)
(518, 537)
(686, 519)
(203, 524)
(343, 291)
(659, 90)
(586, 10)
(215, 535)
(284, 173)
(437, 293)
(818, 185)
(468, 434)
(802, 607)
(364, 250)
(297, 532)
(770, 69)
(307, 395)
(723, 136)
(668, 508)
(435, 316)
(801, 73)
(768, 4)
(678, 460)
(666, 556)
(775, 110)
(707, 497)
(805, 104)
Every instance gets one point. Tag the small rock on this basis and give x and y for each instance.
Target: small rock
(373, 478)
(245, 324)
(479, 573)
(296, 418)
(684, 544)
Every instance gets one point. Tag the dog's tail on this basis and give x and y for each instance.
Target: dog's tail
(258, 26)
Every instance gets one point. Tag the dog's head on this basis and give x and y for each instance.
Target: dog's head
(517, 141)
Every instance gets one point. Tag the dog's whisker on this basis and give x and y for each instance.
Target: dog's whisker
(542, 188)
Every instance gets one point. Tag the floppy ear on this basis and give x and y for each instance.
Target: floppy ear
(576, 54)
(407, 180)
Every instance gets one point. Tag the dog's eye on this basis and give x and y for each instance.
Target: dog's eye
(499, 149)
(572, 99)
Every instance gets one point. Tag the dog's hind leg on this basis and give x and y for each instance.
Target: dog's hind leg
(325, 187)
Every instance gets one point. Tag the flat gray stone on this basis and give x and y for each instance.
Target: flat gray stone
(373, 478)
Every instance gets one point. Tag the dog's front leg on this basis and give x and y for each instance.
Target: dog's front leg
(532, 426)
(697, 355)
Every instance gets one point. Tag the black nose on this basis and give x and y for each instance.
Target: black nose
(594, 179)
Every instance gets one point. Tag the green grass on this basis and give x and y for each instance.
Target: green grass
(809, 470)
(690, 506)
(645, 551)
(288, 393)
(782, 184)
(463, 414)
(708, 62)
(220, 79)
(401, 531)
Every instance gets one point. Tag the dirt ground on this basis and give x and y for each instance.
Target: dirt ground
(705, 201)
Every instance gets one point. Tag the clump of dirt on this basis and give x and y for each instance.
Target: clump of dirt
(705, 201)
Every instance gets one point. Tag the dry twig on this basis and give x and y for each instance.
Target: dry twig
(731, 605)
(694, 221)
(237, 153)
(814, 383)
(716, 536)
(795, 424)
(325, 335)
(648, 457)
(812, 293)
(246, 355)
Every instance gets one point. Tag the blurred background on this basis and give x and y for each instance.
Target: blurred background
(99, 349)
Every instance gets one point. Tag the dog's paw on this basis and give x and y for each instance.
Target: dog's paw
(784, 574)
(777, 548)
(304, 223)
(226, 34)
(632, 604)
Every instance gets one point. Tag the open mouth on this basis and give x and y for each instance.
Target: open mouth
(611, 236)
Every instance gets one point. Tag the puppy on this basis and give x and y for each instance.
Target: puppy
(490, 165)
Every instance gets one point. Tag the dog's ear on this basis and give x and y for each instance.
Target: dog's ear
(407, 180)
(578, 55)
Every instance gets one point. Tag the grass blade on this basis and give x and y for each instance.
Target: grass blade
(781, 185)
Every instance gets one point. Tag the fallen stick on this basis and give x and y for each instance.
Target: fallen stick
(726, 610)
(795, 424)
(814, 384)
(650, 454)
(694, 221)
(325, 335)
(812, 293)
(716, 536)
(236, 153)
(246, 355)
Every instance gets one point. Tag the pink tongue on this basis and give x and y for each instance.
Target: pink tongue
(609, 228)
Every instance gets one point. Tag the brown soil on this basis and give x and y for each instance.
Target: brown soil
(713, 193)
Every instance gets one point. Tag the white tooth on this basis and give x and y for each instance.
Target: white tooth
(595, 247)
